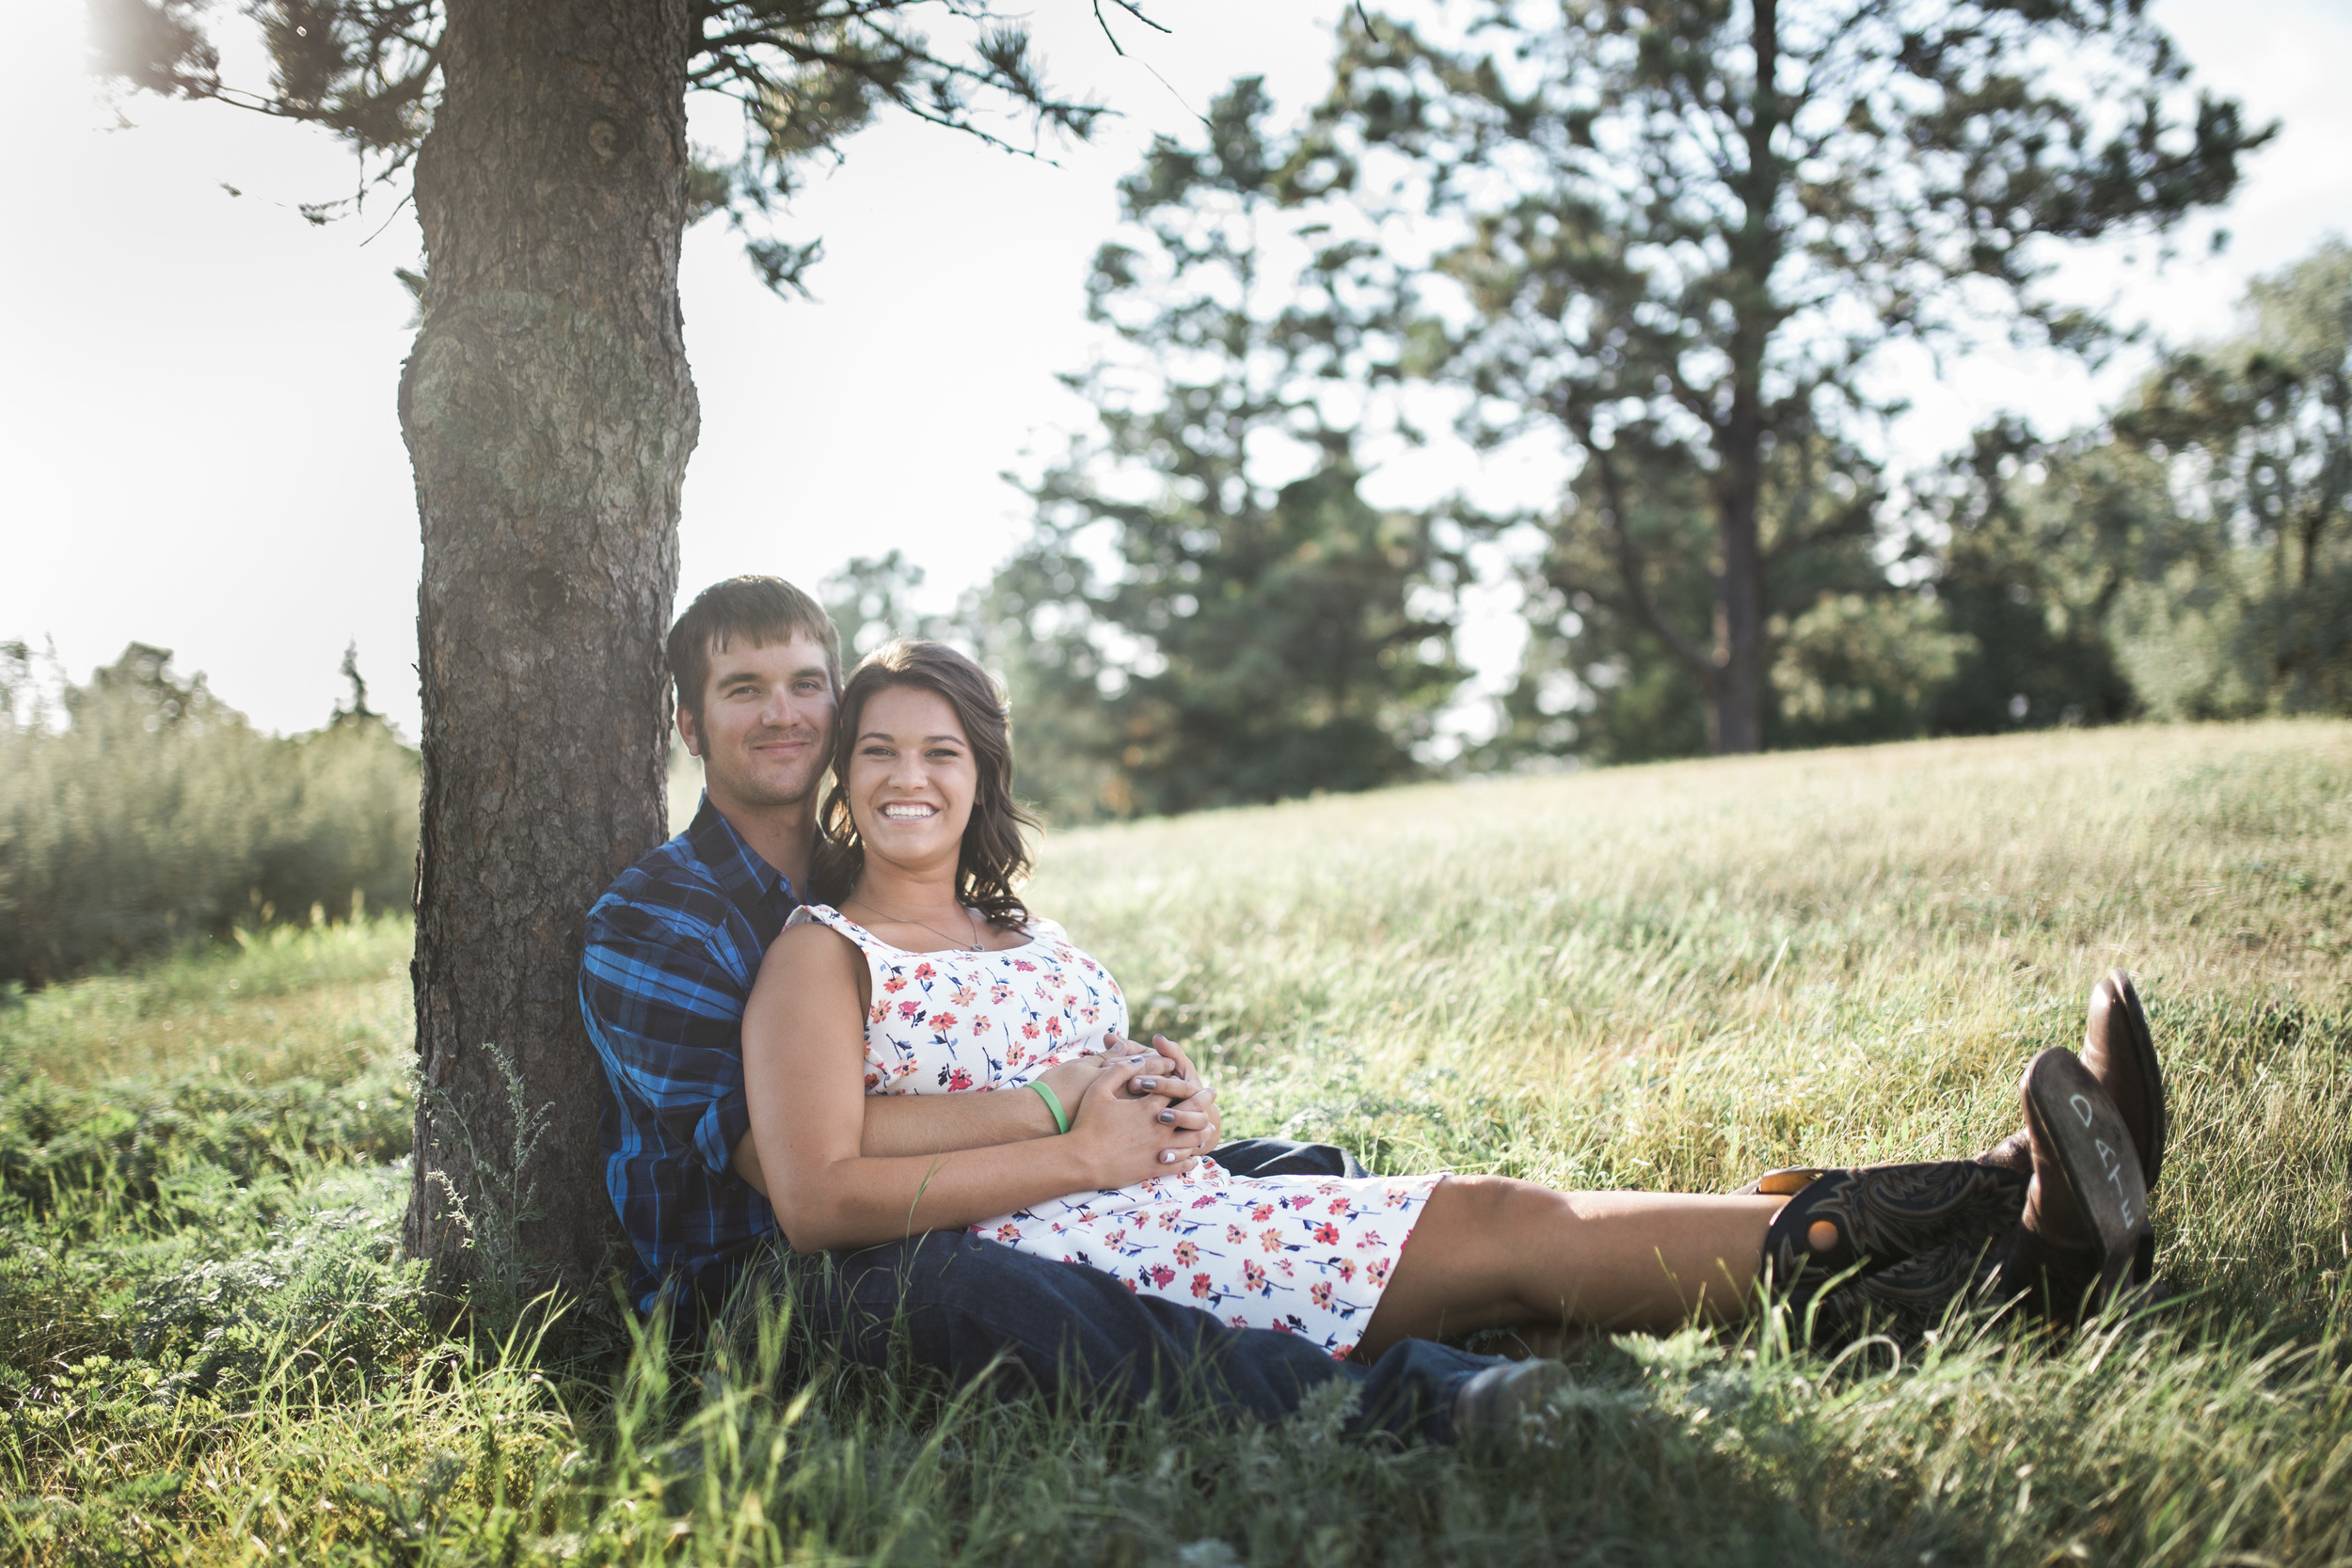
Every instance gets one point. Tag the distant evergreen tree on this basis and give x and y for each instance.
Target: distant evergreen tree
(1688, 232)
(1628, 560)
(2246, 606)
(2035, 547)
(356, 713)
(871, 601)
(1190, 625)
(2190, 558)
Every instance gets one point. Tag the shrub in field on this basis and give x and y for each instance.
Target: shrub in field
(158, 816)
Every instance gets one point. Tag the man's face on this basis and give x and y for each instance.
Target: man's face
(766, 730)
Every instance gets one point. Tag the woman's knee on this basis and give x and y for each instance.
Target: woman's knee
(1496, 1207)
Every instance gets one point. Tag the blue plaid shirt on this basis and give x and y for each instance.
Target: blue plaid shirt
(674, 946)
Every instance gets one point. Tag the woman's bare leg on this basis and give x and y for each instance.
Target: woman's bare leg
(1489, 1252)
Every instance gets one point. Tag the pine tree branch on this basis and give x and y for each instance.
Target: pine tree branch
(1631, 569)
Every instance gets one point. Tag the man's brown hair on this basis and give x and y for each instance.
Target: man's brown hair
(756, 611)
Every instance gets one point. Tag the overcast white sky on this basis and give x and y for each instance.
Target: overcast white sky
(197, 429)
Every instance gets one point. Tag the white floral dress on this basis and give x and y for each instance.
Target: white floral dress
(1300, 1254)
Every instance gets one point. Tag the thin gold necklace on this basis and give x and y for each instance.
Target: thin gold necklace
(978, 946)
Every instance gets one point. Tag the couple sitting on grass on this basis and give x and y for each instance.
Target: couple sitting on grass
(826, 1016)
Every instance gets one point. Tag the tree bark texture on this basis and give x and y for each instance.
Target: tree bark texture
(549, 413)
(1738, 694)
(1738, 709)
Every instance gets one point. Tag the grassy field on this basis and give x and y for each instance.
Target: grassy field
(1669, 976)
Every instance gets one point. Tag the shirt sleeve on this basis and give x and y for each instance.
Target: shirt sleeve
(664, 1007)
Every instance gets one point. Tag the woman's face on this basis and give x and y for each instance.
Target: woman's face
(912, 778)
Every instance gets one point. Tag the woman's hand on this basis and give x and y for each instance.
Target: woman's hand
(1119, 1135)
(1165, 1047)
(1071, 1079)
(1164, 1077)
(1175, 1080)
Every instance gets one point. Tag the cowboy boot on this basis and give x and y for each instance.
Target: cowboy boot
(2086, 1217)
(1849, 1245)
(2122, 1055)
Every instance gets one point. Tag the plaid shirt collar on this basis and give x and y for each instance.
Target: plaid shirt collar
(763, 894)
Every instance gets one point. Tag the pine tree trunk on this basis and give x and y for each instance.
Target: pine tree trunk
(1736, 713)
(1738, 707)
(548, 412)
(1756, 248)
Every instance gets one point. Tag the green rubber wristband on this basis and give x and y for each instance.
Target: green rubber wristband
(1053, 1104)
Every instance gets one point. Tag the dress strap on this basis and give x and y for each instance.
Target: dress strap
(825, 915)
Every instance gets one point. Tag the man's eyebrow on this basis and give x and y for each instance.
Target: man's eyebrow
(750, 674)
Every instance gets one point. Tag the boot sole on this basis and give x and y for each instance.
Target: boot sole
(2094, 1149)
(2143, 1047)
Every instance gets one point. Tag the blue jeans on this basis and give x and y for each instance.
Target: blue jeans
(965, 1304)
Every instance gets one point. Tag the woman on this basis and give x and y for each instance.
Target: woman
(924, 973)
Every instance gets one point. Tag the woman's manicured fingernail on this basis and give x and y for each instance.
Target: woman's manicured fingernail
(1147, 1082)
(1168, 1156)
(1167, 1118)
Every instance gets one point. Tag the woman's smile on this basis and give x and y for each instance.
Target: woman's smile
(910, 775)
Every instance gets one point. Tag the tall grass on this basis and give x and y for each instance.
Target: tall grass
(158, 817)
(1670, 976)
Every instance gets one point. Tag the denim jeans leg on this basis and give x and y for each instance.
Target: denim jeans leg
(1285, 1157)
(965, 1304)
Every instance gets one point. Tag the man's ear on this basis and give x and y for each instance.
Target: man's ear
(686, 733)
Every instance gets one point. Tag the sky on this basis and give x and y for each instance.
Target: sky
(197, 438)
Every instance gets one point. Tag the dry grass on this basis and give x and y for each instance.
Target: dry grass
(291, 1003)
(1680, 974)
(1667, 977)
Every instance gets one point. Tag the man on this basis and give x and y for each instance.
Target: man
(673, 949)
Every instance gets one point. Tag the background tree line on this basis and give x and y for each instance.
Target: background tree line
(1675, 242)
(139, 813)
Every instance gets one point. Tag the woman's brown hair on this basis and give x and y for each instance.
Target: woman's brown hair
(995, 854)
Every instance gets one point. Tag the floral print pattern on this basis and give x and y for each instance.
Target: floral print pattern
(945, 1023)
(1300, 1254)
